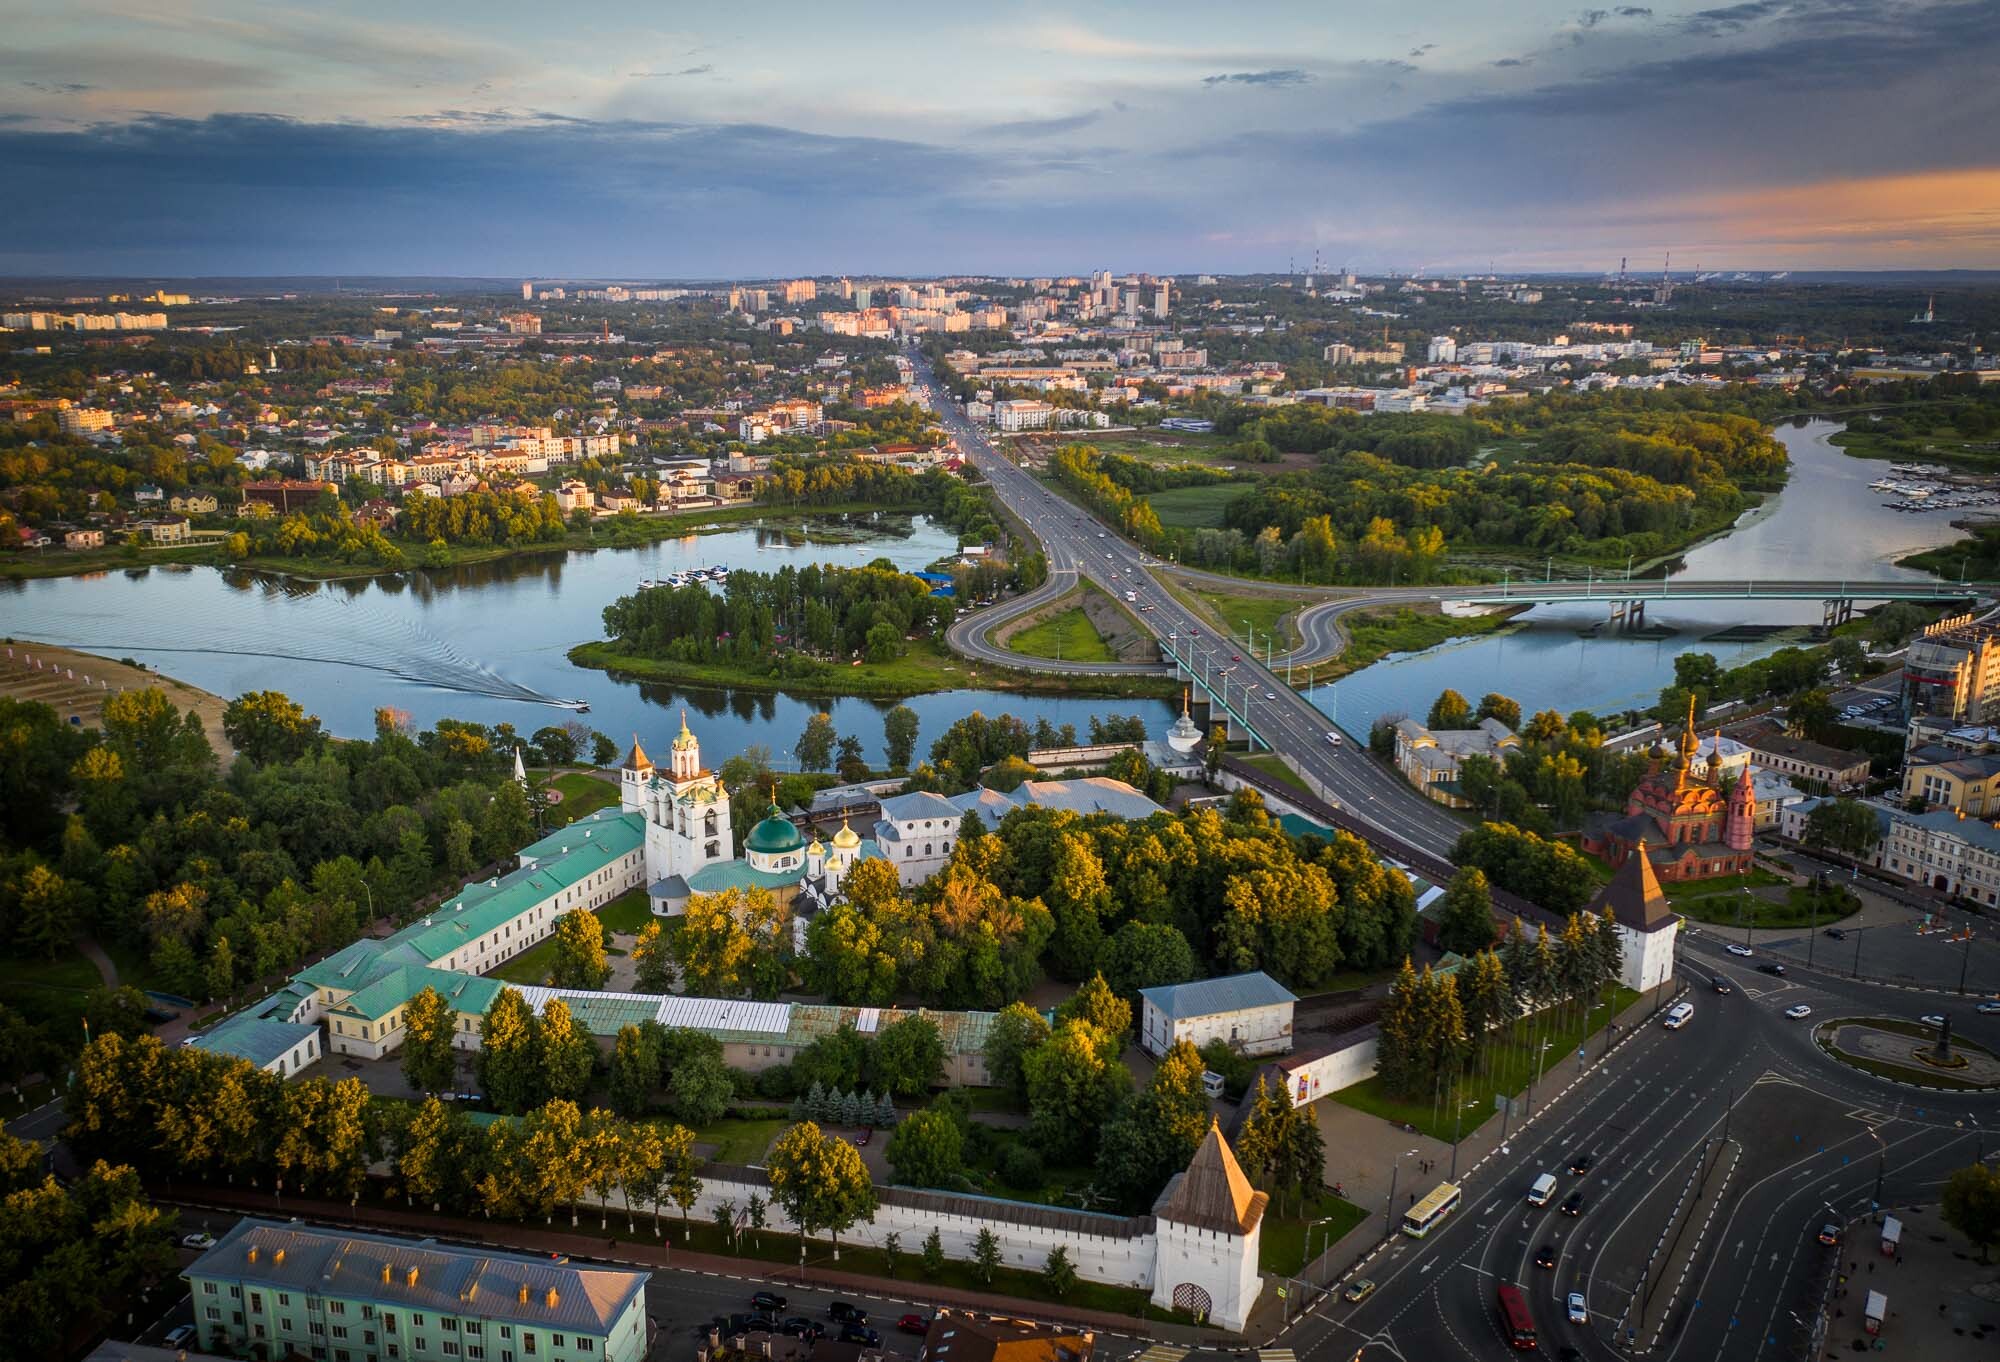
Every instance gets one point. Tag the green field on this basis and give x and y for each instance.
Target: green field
(627, 913)
(1283, 1246)
(1267, 615)
(1374, 635)
(582, 794)
(1735, 909)
(1068, 637)
(739, 1139)
(1271, 764)
(1507, 1066)
(50, 990)
(1196, 508)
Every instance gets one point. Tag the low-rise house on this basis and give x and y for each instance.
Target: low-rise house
(1430, 759)
(83, 539)
(1946, 779)
(1946, 851)
(166, 530)
(1814, 765)
(1251, 1012)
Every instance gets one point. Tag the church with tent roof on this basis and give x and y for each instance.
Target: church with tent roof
(1685, 825)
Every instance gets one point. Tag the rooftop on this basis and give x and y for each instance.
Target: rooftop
(1207, 997)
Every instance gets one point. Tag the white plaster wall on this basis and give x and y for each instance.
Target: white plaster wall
(1326, 1074)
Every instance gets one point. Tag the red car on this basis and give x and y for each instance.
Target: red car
(914, 1324)
(866, 1136)
(1235, 657)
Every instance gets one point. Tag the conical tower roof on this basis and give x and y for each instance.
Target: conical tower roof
(636, 759)
(685, 738)
(1213, 1194)
(1634, 895)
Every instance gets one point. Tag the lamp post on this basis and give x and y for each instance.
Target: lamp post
(1310, 1224)
(1541, 1058)
(1389, 1209)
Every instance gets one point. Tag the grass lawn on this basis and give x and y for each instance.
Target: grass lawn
(627, 913)
(1268, 615)
(581, 795)
(49, 990)
(1682, 891)
(1271, 764)
(1283, 1246)
(741, 1140)
(1797, 909)
(992, 1099)
(531, 966)
(1375, 634)
(1196, 508)
(1069, 636)
(1062, 1184)
(1916, 1071)
(1507, 1066)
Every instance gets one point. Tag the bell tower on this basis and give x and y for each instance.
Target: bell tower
(685, 763)
(633, 777)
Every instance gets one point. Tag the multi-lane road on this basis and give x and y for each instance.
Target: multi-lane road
(1079, 548)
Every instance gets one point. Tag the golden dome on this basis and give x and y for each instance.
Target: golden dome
(846, 839)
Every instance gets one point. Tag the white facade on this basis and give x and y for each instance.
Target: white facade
(1251, 1013)
(916, 834)
(686, 810)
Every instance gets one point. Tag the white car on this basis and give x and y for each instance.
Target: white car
(1579, 1313)
(1989, 1008)
(1798, 1012)
(1932, 1019)
(198, 1240)
(1735, 949)
(1270, 695)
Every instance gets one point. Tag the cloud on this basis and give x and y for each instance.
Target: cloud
(1042, 127)
(1591, 18)
(72, 87)
(1290, 76)
(674, 75)
(1416, 52)
(1512, 62)
(1633, 12)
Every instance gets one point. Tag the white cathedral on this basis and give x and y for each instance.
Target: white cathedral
(690, 848)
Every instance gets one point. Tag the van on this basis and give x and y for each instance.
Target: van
(1678, 1016)
(1892, 1236)
(1542, 1190)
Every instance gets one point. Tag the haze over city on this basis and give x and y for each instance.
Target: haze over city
(217, 137)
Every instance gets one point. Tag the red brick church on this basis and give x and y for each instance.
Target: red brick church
(1688, 828)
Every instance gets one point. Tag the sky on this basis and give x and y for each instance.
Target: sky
(641, 139)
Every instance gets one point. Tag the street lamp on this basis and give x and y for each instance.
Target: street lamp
(1389, 1208)
(1325, 1219)
(1541, 1058)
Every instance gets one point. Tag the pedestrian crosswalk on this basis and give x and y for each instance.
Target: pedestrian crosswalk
(1162, 1352)
(1276, 1355)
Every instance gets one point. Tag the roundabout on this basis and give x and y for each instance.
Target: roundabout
(1909, 1052)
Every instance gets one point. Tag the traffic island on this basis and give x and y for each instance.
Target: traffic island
(1909, 1052)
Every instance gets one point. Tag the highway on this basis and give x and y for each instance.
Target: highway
(1080, 548)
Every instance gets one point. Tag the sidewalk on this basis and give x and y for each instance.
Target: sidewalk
(645, 1252)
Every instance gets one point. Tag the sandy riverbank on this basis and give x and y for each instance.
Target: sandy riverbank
(60, 683)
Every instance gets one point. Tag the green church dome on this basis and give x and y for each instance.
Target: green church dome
(774, 835)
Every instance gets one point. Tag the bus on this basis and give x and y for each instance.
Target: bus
(1422, 1217)
(1517, 1326)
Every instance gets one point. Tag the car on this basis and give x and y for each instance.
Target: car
(198, 1240)
(179, 1336)
(1333, 738)
(1720, 983)
(1573, 1204)
(1932, 1019)
(1829, 1233)
(1236, 657)
(856, 1333)
(798, 1326)
(761, 1324)
(866, 1136)
(913, 1324)
(1545, 1256)
(1579, 1313)
(767, 1300)
(1835, 934)
(846, 1313)
(1360, 1289)
(1270, 695)
(1735, 949)
(1989, 1008)
(1582, 1163)
(1771, 967)
(1798, 1012)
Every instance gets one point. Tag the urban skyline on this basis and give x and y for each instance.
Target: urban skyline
(218, 138)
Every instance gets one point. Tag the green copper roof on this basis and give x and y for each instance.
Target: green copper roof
(468, 993)
(740, 874)
(774, 835)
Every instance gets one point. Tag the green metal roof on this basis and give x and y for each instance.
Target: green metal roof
(739, 874)
(774, 834)
(594, 824)
(469, 993)
(256, 1039)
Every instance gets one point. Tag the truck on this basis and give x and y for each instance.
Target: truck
(1892, 1236)
(1876, 1311)
(1543, 1188)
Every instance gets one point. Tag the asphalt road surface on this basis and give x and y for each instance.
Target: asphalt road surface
(1079, 548)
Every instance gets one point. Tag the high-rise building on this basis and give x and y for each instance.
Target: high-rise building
(1161, 299)
(527, 291)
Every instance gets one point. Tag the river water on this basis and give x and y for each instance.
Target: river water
(488, 643)
(1825, 524)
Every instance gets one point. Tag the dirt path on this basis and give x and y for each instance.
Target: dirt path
(76, 685)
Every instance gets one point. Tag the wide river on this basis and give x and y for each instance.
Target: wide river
(489, 642)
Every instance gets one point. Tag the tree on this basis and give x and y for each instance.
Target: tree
(635, 1069)
(677, 1181)
(933, 1253)
(986, 1255)
(566, 1051)
(429, 1061)
(45, 907)
(433, 1155)
(1158, 1131)
(899, 736)
(1014, 1033)
(1075, 1083)
(820, 1181)
(579, 951)
(1449, 710)
(1971, 1205)
(1494, 705)
(268, 726)
(892, 1252)
(927, 1150)
(851, 763)
(1844, 825)
(734, 942)
(1465, 924)
(700, 1086)
(510, 1054)
(1811, 715)
(554, 1154)
(653, 959)
(1218, 745)
(1096, 1003)
(908, 1057)
(815, 746)
(1058, 1273)
(603, 751)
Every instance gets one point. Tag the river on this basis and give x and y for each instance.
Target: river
(488, 642)
(1826, 523)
